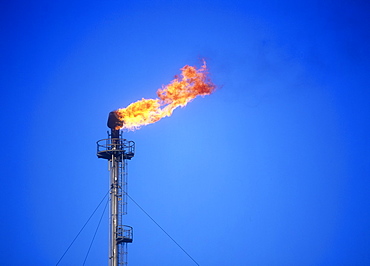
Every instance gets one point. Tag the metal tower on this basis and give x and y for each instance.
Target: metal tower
(117, 151)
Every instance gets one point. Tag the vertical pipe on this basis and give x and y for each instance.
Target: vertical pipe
(114, 198)
(114, 211)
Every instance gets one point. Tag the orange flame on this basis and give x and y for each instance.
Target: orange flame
(183, 89)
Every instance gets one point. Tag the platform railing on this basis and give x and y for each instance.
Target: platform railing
(106, 147)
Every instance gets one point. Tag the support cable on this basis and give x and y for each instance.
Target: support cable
(65, 252)
(162, 229)
(96, 230)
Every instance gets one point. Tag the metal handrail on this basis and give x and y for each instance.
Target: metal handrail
(116, 144)
(125, 231)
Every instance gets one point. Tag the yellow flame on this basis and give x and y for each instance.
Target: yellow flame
(183, 89)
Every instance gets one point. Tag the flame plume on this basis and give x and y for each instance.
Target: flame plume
(183, 89)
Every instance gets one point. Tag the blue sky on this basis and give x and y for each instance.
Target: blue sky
(271, 169)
